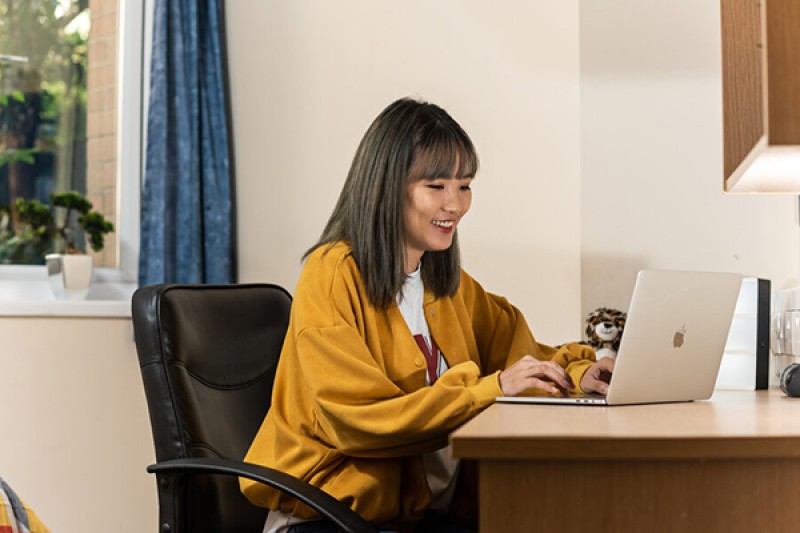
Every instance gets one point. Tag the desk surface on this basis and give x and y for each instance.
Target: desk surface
(732, 424)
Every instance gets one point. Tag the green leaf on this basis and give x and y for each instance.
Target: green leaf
(34, 213)
(96, 226)
(15, 155)
(71, 200)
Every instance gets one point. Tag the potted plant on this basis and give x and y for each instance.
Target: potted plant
(58, 233)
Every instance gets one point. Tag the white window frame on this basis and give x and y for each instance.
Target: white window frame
(133, 38)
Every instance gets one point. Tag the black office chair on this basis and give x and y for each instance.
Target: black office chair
(208, 355)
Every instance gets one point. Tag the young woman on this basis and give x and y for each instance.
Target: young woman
(391, 345)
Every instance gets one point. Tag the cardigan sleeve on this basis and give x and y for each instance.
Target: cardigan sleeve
(503, 335)
(361, 412)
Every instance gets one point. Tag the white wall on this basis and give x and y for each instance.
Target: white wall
(651, 137)
(308, 77)
(75, 432)
(590, 171)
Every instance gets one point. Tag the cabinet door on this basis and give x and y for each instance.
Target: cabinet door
(742, 80)
(783, 71)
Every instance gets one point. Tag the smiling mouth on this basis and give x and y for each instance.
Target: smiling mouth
(446, 224)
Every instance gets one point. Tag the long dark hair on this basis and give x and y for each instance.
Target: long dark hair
(409, 140)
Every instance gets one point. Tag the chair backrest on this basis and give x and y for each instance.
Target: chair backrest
(208, 355)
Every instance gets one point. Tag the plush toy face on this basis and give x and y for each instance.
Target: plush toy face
(604, 328)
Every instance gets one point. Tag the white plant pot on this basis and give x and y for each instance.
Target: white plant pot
(70, 275)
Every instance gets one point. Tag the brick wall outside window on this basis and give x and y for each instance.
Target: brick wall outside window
(101, 120)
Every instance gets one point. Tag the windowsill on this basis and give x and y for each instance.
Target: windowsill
(25, 291)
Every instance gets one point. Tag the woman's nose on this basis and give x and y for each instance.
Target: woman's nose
(453, 204)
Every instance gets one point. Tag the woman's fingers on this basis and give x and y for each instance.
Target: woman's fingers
(530, 373)
(598, 376)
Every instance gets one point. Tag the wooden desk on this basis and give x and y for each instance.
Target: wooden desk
(728, 464)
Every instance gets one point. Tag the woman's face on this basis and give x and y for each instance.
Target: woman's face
(432, 210)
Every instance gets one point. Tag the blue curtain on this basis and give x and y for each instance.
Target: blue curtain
(187, 218)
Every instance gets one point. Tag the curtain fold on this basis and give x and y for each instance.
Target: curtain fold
(187, 205)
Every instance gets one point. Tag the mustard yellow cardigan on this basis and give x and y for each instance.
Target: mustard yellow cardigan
(351, 413)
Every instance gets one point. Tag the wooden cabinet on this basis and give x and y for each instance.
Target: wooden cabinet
(761, 95)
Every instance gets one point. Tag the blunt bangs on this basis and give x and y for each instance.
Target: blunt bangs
(444, 151)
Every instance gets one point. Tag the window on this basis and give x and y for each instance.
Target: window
(70, 78)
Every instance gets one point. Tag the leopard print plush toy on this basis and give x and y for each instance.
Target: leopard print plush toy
(604, 330)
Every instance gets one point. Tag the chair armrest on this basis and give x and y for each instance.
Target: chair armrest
(320, 501)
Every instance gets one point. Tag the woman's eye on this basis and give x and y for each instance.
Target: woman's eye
(466, 187)
(437, 187)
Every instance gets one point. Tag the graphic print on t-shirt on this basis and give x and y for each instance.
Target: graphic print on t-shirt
(409, 301)
(431, 354)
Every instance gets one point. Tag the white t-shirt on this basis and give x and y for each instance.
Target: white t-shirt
(440, 467)
(410, 303)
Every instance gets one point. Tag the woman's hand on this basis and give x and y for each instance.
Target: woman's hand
(597, 378)
(530, 373)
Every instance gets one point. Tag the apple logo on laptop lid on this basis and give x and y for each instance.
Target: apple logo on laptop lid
(678, 339)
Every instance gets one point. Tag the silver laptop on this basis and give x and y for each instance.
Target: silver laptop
(673, 341)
